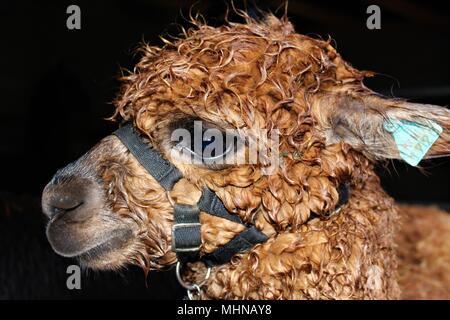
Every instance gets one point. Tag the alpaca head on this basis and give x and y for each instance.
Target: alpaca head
(289, 99)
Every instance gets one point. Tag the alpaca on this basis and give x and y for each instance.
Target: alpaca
(253, 78)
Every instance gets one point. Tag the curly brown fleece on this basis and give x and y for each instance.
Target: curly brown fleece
(262, 75)
(423, 246)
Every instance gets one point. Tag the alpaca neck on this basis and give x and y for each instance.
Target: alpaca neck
(350, 255)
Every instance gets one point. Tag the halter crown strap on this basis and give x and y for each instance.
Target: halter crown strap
(240, 243)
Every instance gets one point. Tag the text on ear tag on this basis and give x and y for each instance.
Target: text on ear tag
(413, 139)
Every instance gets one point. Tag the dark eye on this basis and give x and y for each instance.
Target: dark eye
(204, 143)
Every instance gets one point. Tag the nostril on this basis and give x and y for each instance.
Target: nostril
(73, 200)
(65, 202)
(59, 208)
(58, 201)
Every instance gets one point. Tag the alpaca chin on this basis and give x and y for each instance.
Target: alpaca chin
(108, 255)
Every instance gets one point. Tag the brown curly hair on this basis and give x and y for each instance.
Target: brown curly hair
(257, 75)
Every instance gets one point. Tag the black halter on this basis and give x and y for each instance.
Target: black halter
(186, 240)
(186, 236)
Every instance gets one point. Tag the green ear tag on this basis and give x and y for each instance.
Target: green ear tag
(413, 139)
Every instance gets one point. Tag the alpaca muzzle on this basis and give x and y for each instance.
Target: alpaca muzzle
(74, 203)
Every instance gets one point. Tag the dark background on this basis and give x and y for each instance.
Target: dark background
(56, 86)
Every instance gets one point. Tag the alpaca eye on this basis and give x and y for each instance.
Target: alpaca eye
(205, 144)
(216, 144)
(210, 148)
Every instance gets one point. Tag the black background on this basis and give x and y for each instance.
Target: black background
(56, 86)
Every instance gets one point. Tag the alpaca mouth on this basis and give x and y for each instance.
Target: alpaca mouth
(114, 243)
(85, 244)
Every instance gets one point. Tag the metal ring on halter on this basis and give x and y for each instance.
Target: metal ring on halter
(193, 286)
(191, 295)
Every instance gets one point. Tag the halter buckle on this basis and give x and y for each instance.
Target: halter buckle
(187, 225)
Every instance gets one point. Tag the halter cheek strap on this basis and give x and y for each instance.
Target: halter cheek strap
(186, 233)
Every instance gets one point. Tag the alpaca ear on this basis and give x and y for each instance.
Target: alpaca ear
(384, 128)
